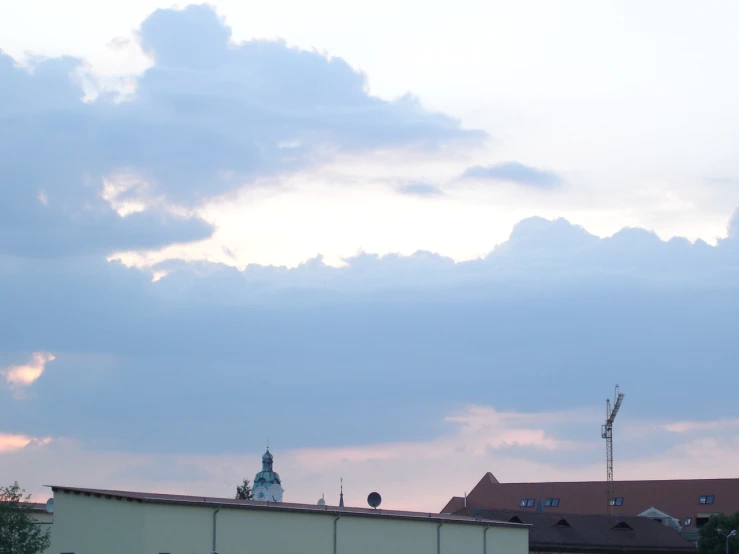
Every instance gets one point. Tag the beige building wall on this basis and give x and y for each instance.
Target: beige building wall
(92, 525)
(85, 524)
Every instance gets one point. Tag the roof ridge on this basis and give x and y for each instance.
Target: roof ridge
(701, 480)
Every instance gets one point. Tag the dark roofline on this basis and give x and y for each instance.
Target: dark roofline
(536, 544)
(709, 480)
(562, 515)
(157, 498)
(31, 506)
(638, 549)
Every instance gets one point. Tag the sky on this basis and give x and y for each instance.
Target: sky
(402, 244)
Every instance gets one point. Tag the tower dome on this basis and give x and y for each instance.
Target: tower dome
(267, 485)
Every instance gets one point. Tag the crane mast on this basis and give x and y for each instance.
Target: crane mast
(606, 432)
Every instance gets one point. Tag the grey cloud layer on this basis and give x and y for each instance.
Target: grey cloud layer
(207, 117)
(550, 319)
(514, 172)
(420, 189)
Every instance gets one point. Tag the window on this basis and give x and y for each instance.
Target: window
(618, 501)
(702, 519)
(527, 502)
(687, 521)
(708, 499)
(551, 502)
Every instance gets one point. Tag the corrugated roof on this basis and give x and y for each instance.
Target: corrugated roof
(560, 532)
(679, 497)
(279, 506)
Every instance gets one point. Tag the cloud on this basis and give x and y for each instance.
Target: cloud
(319, 339)
(733, 227)
(207, 118)
(420, 189)
(22, 376)
(160, 469)
(698, 426)
(513, 172)
(400, 470)
(11, 443)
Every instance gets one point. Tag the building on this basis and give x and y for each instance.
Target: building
(91, 521)
(689, 501)
(267, 486)
(41, 514)
(594, 534)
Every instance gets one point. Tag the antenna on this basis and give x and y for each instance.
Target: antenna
(374, 499)
(606, 432)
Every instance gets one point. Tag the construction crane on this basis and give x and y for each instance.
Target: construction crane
(606, 432)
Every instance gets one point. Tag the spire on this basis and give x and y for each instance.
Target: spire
(341, 495)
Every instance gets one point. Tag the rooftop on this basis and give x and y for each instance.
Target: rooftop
(276, 506)
(680, 498)
(562, 532)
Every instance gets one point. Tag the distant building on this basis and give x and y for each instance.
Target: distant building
(690, 502)
(91, 521)
(593, 534)
(41, 515)
(267, 486)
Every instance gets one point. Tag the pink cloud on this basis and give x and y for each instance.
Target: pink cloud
(699, 426)
(24, 375)
(10, 442)
(417, 475)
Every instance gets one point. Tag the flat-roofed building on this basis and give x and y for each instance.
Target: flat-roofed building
(92, 521)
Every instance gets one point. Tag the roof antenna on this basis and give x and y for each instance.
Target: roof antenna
(341, 495)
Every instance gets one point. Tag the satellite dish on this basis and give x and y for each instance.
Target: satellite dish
(50, 505)
(374, 499)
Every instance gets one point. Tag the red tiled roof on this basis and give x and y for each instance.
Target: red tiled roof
(454, 505)
(678, 498)
(280, 506)
(557, 532)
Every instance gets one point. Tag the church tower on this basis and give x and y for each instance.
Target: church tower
(267, 485)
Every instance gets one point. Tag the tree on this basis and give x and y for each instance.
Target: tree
(243, 492)
(19, 533)
(710, 541)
